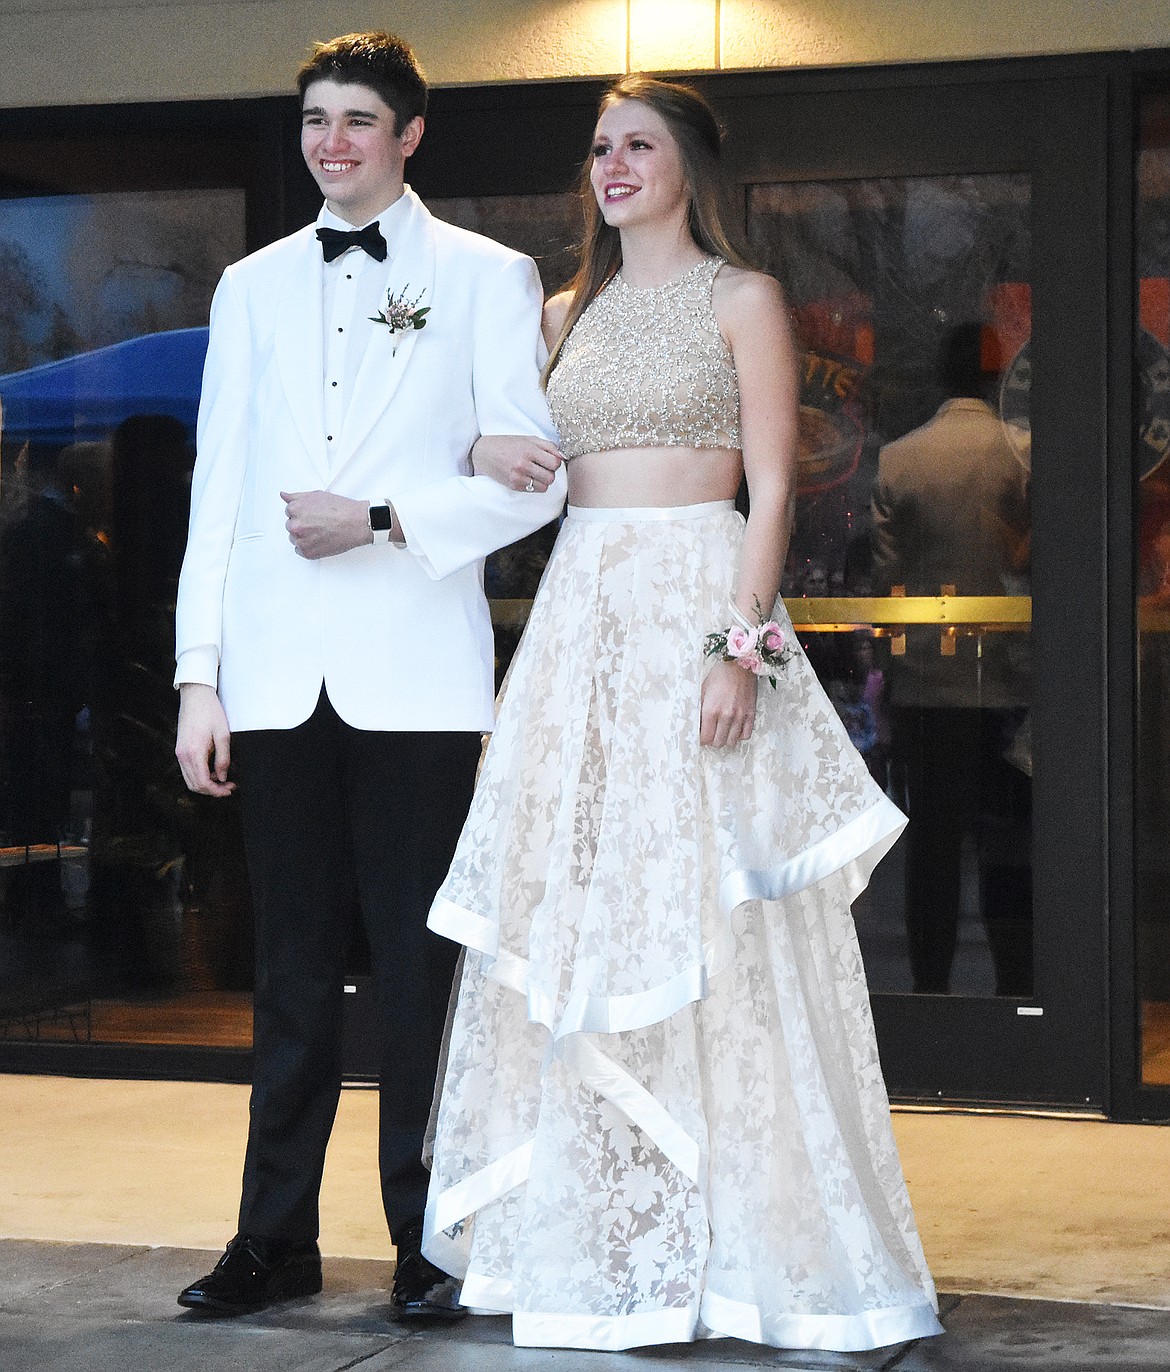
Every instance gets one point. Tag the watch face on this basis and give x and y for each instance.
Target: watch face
(379, 518)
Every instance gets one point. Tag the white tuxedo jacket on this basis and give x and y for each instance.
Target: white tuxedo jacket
(950, 507)
(401, 638)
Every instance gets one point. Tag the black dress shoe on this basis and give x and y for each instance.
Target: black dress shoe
(421, 1290)
(254, 1273)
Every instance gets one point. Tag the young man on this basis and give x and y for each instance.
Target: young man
(334, 643)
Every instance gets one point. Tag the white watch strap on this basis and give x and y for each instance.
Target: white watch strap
(395, 527)
(381, 535)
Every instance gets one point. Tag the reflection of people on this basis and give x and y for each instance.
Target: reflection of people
(950, 508)
(844, 664)
(43, 666)
(1154, 538)
(150, 458)
(846, 693)
(141, 810)
(1153, 723)
(875, 693)
(662, 1108)
(331, 590)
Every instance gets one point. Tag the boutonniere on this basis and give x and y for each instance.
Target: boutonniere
(401, 314)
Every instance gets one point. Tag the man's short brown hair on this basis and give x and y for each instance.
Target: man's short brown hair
(378, 60)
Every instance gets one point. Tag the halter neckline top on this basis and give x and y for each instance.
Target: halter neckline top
(646, 367)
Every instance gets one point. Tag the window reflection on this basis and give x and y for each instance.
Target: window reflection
(1151, 449)
(123, 908)
(911, 302)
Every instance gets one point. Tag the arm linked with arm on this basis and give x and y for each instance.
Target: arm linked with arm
(461, 519)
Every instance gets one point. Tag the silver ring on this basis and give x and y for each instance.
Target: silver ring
(531, 486)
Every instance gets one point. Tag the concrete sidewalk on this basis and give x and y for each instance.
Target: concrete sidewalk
(1059, 1209)
(111, 1308)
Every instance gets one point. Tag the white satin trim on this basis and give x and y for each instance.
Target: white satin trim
(447, 1209)
(723, 1318)
(639, 514)
(465, 926)
(584, 1012)
(487, 1295)
(609, 1332)
(830, 1333)
(868, 836)
(489, 1184)
(605, 1077)
(871, 835)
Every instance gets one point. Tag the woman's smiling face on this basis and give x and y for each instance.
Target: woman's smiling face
(637, 173)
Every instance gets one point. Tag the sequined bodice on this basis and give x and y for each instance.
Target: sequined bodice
(647, 368)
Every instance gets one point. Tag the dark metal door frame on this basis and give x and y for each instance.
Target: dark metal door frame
(1055, 128)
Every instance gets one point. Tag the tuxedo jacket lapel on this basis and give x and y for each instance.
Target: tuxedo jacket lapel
(298, 345)
(410, 275)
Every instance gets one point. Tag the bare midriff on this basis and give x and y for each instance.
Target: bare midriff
(662, 477)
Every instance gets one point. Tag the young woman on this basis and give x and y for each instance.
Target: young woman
(663, 1115)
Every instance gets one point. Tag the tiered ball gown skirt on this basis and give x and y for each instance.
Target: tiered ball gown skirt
(662, 1114)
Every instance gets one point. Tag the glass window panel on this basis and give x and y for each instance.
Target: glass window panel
(545, 226)
(124, 910)
(909, 567)
(1152, 472)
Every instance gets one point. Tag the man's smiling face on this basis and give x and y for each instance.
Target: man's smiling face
(353, 149)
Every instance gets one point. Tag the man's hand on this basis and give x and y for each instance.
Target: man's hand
(321, 524)
(203, 734)
(728, 708)
(520, 463)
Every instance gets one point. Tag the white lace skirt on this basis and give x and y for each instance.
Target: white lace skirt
(663, 1115)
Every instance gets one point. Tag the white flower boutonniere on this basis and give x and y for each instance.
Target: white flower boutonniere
(401, 315)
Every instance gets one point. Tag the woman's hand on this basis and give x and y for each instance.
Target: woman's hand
(518, 462)
(728, 705)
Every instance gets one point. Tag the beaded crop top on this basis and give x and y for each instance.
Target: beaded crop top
(647, 368)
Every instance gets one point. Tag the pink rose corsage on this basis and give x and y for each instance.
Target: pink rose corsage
(761, 648)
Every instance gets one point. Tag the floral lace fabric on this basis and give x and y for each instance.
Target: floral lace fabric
(663, 1114)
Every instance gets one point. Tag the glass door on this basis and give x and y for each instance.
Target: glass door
(125, 916)
(945, 586)
(909, 573)
(1152, 475)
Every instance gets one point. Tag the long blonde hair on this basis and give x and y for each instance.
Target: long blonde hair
(696, 131)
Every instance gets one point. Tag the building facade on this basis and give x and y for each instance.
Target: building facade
(922, 181)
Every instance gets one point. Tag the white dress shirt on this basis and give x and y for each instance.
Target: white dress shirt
(352, 286)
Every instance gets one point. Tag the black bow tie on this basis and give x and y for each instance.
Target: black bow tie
(334, 242)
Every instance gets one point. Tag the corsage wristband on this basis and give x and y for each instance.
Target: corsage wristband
(738, 616)
(761, 648)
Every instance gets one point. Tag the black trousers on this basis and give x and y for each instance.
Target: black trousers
(959, 785)
(330, 811)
